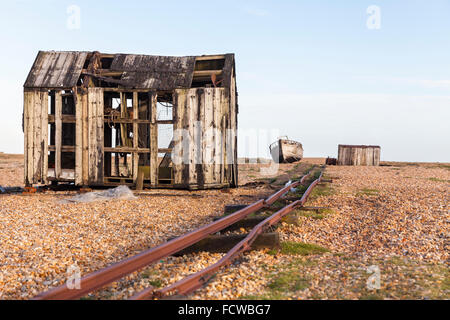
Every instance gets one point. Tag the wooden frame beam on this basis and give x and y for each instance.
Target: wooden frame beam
(58, 133)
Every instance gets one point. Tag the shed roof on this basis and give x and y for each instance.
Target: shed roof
(154, 72)
(62, 69)
(56, 69)
(357, 146)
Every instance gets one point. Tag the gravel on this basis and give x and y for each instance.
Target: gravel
(396, 217)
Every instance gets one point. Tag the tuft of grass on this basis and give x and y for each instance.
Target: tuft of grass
(438, 180)
(322, 191)
(284, 283)
(312, 214)
(443, 166)
(299, 248)
(278, 204)
(320, 214)
(368, 192)
(156, 283)
(288, 281)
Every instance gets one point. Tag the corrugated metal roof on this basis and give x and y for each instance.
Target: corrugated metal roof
(56, 69)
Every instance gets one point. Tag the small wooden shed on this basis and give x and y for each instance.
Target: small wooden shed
(358, 155)
(97, 119)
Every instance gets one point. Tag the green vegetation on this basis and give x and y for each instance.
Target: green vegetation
(288, 281)
(322, 190)
(315, 214)
(151, 273)
(298, 248)
(401, 278)
(284, 283)
(156, 283)
(438, 180)
(442, 166)
(368, 192)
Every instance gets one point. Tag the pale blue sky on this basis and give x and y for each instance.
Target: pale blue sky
(308, 69)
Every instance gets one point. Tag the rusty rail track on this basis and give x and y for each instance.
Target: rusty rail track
(116, 271)
(198, 279)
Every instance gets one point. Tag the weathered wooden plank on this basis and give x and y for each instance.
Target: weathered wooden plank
(193, 129)
(96, 135)
(37, 149)
(66, 118)
(219, 129)
(100, 136)
(28, 133)
(63, 148)
(210, 57)
(227, 140)
(208, 135)
(92, 131)
(44, 136)
(58, 132)
(179, 104)
(56, 69)
(25, 142)
(233, 120)
(153, 139)
(135, 137)
(127, 149)
(85, 138)
(78, 139)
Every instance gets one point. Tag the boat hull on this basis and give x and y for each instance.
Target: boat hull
(286, 151)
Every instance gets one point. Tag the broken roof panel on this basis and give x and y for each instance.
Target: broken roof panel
(56, 69)
(154, 72)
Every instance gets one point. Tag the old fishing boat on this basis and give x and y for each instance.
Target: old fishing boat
(286, 151)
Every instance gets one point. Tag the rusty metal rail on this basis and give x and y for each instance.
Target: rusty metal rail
(116, 271)
(198, 279)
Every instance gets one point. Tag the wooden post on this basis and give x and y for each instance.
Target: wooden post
(140, 180)
(58, 133)
(44, 137)
(78, 138)
(85, 140)
(28, 132)
(153, 140)
(135, 137)
(37, 133)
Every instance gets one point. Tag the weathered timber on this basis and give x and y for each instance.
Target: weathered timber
(105, 106)
(246, 223)
(223, 243)
(230, 208)
(358, 155)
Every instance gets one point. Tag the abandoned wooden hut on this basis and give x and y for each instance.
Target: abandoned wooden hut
(358, 155)
(96, 119)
